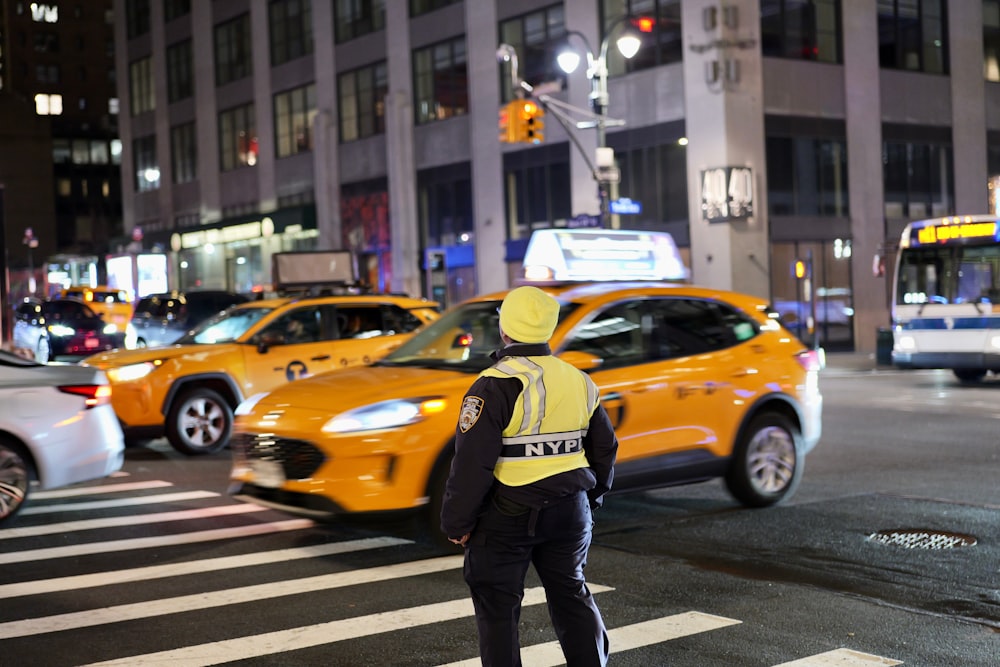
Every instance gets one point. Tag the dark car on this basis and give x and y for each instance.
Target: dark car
(160, 319)
(63, 330)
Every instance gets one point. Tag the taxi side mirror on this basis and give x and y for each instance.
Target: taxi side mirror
(268, 338)
(585, 361)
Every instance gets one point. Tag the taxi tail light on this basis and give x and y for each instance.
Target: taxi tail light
(93, 394)
(811, 360)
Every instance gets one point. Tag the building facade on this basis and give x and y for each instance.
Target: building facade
(57, 64)
(756, 132)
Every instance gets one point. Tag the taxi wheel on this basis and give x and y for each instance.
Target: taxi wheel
(16, 473)
(969, 375)
(766, 465)
(200, 422)
(435, 491)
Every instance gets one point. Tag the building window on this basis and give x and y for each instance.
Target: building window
(661, 46)
(233, 53)
(805, 29)
(47, 73)
(912, 35)
(180, 78)
(142, 92)
(99, 153)
(537, 189)
(362, 102)
(173, 9)
(353, 18)
(919, 180)
(656, 177)
(46, 42)
(147, 171)
(81, 151)
(807, 176)
(991, 39)
(238, 137)
(294, 111)
(48, 105)
(441, 83)
(64, 187)
(136, 17)
(183, 153)
(537, 38)
(444, 203)
(291, 30)
(418, 7)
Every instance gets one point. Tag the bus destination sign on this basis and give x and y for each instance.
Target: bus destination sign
(956, 233)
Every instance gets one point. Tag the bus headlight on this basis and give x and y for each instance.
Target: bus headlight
(906, 343)
(995, 342)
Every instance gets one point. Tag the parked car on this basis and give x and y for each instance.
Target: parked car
(160, 319)
(699, 383)
(188, 391)
(113, 304)
(63, 330)
(57, 427)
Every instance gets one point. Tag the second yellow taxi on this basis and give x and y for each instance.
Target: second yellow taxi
(188, 391)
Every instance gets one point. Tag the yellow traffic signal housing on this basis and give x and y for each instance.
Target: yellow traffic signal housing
(534, 125)
(800, 269)
(510, 123)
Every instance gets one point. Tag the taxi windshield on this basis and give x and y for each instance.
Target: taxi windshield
(225, 327)
(462, 339)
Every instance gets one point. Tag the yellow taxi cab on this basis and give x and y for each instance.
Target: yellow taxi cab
(699, 383)
(188, 391)
(111, 303)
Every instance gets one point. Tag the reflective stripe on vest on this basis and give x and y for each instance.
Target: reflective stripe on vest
(545, 434)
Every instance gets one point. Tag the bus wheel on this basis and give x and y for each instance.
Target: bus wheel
(970, 375)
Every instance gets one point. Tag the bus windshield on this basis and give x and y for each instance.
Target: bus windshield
(948, 274)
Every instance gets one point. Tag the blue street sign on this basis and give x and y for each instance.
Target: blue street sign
(626, 206)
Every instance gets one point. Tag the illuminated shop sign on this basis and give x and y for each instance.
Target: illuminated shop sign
(954, 233)
(726, 194)
(230, 234)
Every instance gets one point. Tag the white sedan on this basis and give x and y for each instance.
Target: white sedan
(57, 427)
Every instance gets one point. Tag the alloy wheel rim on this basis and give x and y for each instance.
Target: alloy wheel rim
(771, 460)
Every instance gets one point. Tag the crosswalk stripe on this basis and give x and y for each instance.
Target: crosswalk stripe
(153, 542)
(121, 502)
(842, 657)
(255, 593)
(623, 638)
(94, 490)
(61, 584)
(131, 520)
(246, 648)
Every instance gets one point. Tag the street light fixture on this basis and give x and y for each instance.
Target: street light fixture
(597, 72)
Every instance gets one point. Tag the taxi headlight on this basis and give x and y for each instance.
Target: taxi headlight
(61, 330)
(131, 372)
(110, 328)
(385, 414)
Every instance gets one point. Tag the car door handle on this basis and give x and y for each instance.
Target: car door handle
(322, 357)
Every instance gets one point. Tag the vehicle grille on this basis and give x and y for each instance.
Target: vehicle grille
(298, 458)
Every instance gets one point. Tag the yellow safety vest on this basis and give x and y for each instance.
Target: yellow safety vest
(550, 419)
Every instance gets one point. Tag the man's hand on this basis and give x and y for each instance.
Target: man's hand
(460, 541)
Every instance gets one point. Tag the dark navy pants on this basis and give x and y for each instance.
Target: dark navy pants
(496, 562)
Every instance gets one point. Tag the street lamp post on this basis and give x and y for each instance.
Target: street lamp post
(597, 72)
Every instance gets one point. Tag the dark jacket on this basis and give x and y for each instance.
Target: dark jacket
(472, 483)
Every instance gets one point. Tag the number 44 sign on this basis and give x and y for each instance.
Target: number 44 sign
(726, 194)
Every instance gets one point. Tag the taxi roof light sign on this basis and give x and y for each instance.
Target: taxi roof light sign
(574, 255)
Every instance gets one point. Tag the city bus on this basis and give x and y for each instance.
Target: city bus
(946, 296)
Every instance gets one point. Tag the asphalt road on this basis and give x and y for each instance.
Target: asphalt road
(159, 565)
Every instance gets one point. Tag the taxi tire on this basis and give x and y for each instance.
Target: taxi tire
(16, 473)
(205, 405)
(766, 466)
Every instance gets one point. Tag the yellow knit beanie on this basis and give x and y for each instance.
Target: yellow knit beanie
(529, 315)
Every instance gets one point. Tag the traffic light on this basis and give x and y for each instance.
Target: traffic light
(799, 269)
(532, 125)
(509, 123)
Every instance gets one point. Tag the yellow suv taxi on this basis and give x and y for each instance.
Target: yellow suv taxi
(699, 383)
(111, 303)
(188, 390)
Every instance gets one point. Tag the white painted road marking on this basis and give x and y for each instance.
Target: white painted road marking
(154, 542)
(842, 657)
(123, 502)
(96, 490)
(63, 584)
(624, 638)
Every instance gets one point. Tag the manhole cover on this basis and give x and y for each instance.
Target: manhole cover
(922, 539)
